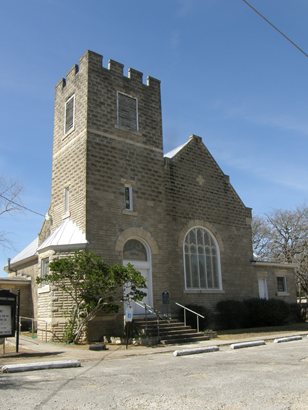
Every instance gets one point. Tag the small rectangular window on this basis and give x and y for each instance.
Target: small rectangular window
(69, 114)
(44, 268)
(128, 197)
(127, 112)
(263, 291)
(66, 201)
(281, 284)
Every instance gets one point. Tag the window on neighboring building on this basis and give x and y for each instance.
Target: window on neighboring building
(128, 197)
(44, 267)
(282, 284)
(69, 114)
(66, 201)
(263, 290)
(201, 260)
(127, 108)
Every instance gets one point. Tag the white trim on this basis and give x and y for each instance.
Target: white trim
(144, 265)
(43, 289)
(205, 290)
(274, 264)
(65, 105)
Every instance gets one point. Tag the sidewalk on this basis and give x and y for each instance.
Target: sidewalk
(33, 350)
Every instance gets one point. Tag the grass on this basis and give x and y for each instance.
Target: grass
(261, 331)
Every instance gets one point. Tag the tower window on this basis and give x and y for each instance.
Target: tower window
(128, 197)
(66, 202)
(69, 122)
(127, 110)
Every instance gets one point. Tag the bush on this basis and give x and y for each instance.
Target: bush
(262, 312)
(191, 319)
(297, 312)
(232, 314)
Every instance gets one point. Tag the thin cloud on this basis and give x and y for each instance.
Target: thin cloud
(184, 8)
(290, 177)
(283, 122)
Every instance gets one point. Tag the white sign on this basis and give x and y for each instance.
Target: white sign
(5, 320)
(129, 313)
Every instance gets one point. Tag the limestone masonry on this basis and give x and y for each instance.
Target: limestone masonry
(176, 217)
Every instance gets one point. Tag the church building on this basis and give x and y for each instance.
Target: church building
(174, 216)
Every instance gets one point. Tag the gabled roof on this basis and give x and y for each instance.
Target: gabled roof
(67, 236)
(28, 252)
(176, 150)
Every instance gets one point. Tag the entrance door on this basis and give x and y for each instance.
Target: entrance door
(137, 253)
(263, 292)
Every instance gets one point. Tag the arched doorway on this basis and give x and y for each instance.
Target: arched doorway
(138, 253)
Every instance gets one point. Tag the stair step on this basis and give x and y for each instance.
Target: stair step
(165, 328)
(184, 340)
(171, 331)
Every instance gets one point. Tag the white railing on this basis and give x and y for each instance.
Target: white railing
(147, 308)
(192, 311)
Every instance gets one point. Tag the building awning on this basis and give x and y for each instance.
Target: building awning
(66, 237)
(27, 253)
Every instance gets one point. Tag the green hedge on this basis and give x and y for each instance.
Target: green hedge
(232, 314)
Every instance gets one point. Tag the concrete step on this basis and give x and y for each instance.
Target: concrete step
(170, 331)
(184, 340)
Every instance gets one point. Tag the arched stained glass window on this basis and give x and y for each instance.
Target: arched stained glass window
(201, 258)
(135, 250)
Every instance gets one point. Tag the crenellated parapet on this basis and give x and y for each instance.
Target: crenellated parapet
(94, 61)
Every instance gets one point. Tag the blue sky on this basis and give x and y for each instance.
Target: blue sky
(226, 76)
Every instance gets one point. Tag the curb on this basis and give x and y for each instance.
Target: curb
(185, 352)
(287, 339)
(14, 368)
(247, 344)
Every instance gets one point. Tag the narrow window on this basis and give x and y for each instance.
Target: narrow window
(263, 291)
(69, 114)
(281, 284)
(127, 112)
(128, 197)
(66, 201)
(44, 268)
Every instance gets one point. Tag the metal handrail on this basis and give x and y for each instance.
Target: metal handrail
(32, 325)
(149, 308)
(192, 311)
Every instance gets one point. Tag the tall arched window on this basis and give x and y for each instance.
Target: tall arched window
(201, 258)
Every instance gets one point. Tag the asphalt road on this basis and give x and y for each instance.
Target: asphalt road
(274, 376)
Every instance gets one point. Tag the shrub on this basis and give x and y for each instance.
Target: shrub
(262, 312)
(232, 314)
(191, 319)
(297, 312)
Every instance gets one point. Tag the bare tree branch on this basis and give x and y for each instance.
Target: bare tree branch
(9, 199)
(283, 236)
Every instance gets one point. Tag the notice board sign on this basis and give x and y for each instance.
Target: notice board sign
(7, 314)
(129, 313)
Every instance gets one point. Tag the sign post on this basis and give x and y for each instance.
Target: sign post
(7, 315)
(129, 314)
